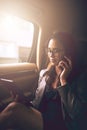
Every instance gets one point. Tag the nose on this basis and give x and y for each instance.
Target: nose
(51, 53)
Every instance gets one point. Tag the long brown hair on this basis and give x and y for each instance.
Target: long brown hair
(69, 44)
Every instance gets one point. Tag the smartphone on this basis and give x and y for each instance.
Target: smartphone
(65, 60)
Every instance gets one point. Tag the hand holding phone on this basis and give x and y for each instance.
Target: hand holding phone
(64, 67)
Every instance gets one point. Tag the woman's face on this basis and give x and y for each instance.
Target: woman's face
(55, 51)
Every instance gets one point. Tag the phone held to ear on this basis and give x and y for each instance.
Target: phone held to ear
(64, 60)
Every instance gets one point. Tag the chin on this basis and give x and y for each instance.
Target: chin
(54, 63)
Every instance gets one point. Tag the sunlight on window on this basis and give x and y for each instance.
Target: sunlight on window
(15, 34)
(16, 30)
(13, 53)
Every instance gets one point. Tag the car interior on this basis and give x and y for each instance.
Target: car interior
(20, 62)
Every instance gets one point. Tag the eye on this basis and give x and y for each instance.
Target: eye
(55, 50)
(49, 50)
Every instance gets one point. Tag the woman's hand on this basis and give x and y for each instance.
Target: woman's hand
(63, 70)
(15, 96)
(19, 97)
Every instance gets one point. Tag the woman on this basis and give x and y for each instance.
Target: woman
(59, 97)
(47, 97)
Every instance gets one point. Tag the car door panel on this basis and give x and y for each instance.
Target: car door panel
(21, 77)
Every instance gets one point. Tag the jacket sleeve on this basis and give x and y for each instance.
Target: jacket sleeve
(40, 90)
(74, 96)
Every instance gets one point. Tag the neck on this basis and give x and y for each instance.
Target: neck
(56, 82)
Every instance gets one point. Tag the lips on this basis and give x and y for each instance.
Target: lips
(52, 59)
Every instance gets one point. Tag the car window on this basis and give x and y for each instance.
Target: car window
(16, 39)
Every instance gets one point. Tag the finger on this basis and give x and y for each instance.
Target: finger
(63, 64)
(17, 98)
(12, 94)
(69, 62)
